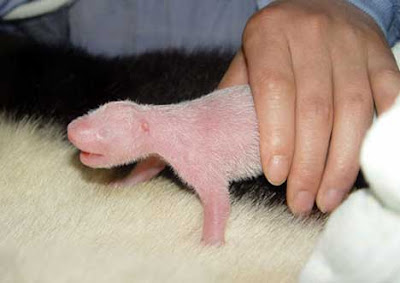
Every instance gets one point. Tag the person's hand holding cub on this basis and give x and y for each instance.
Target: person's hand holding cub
(316, 69)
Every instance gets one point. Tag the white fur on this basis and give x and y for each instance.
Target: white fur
(59, 222)
(361, 242)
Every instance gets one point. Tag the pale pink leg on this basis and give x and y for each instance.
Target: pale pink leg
(212, 189)
(216, 207)
(143, 171)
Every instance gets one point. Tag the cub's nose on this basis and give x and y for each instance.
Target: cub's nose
(83, 135)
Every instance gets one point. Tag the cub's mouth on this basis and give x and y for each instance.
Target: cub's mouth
(90, 154)
(94, 160)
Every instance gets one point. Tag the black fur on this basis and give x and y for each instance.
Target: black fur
(64, 83)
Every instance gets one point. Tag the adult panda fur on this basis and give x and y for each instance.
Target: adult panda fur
(61, 222)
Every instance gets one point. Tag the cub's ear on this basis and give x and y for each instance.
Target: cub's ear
(144, 125)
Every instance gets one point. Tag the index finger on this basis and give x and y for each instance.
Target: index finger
(272, 83)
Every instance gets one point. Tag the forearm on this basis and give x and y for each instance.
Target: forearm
(386, 13)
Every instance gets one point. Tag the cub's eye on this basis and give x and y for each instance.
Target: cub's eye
(103, 133)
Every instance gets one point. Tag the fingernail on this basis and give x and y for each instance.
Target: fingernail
(303, 203)
(331, 199)
(277, 170)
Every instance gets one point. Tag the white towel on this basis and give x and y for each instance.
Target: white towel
(361, 242)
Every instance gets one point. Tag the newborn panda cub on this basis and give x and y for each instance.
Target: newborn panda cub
(209, 142)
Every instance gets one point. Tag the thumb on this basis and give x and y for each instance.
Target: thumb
(236, 73)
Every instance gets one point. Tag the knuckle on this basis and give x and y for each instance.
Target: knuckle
(358, 102)
(249, 30)
(277, 88)
(316, 23)
(351, 35)
(346, 173)
(316, 107)
(304, 182)
(266, 15)
(306, 174)
(386, 76)
(274, 84)
(278, 141)
(260, 21)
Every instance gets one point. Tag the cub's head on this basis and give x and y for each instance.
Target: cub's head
(114, 134)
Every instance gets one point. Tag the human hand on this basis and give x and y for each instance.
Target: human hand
(316, 68)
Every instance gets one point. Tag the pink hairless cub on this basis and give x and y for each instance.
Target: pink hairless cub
(208, 141)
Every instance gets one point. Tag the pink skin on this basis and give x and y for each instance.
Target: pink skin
(209, 142)
(144, 171)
